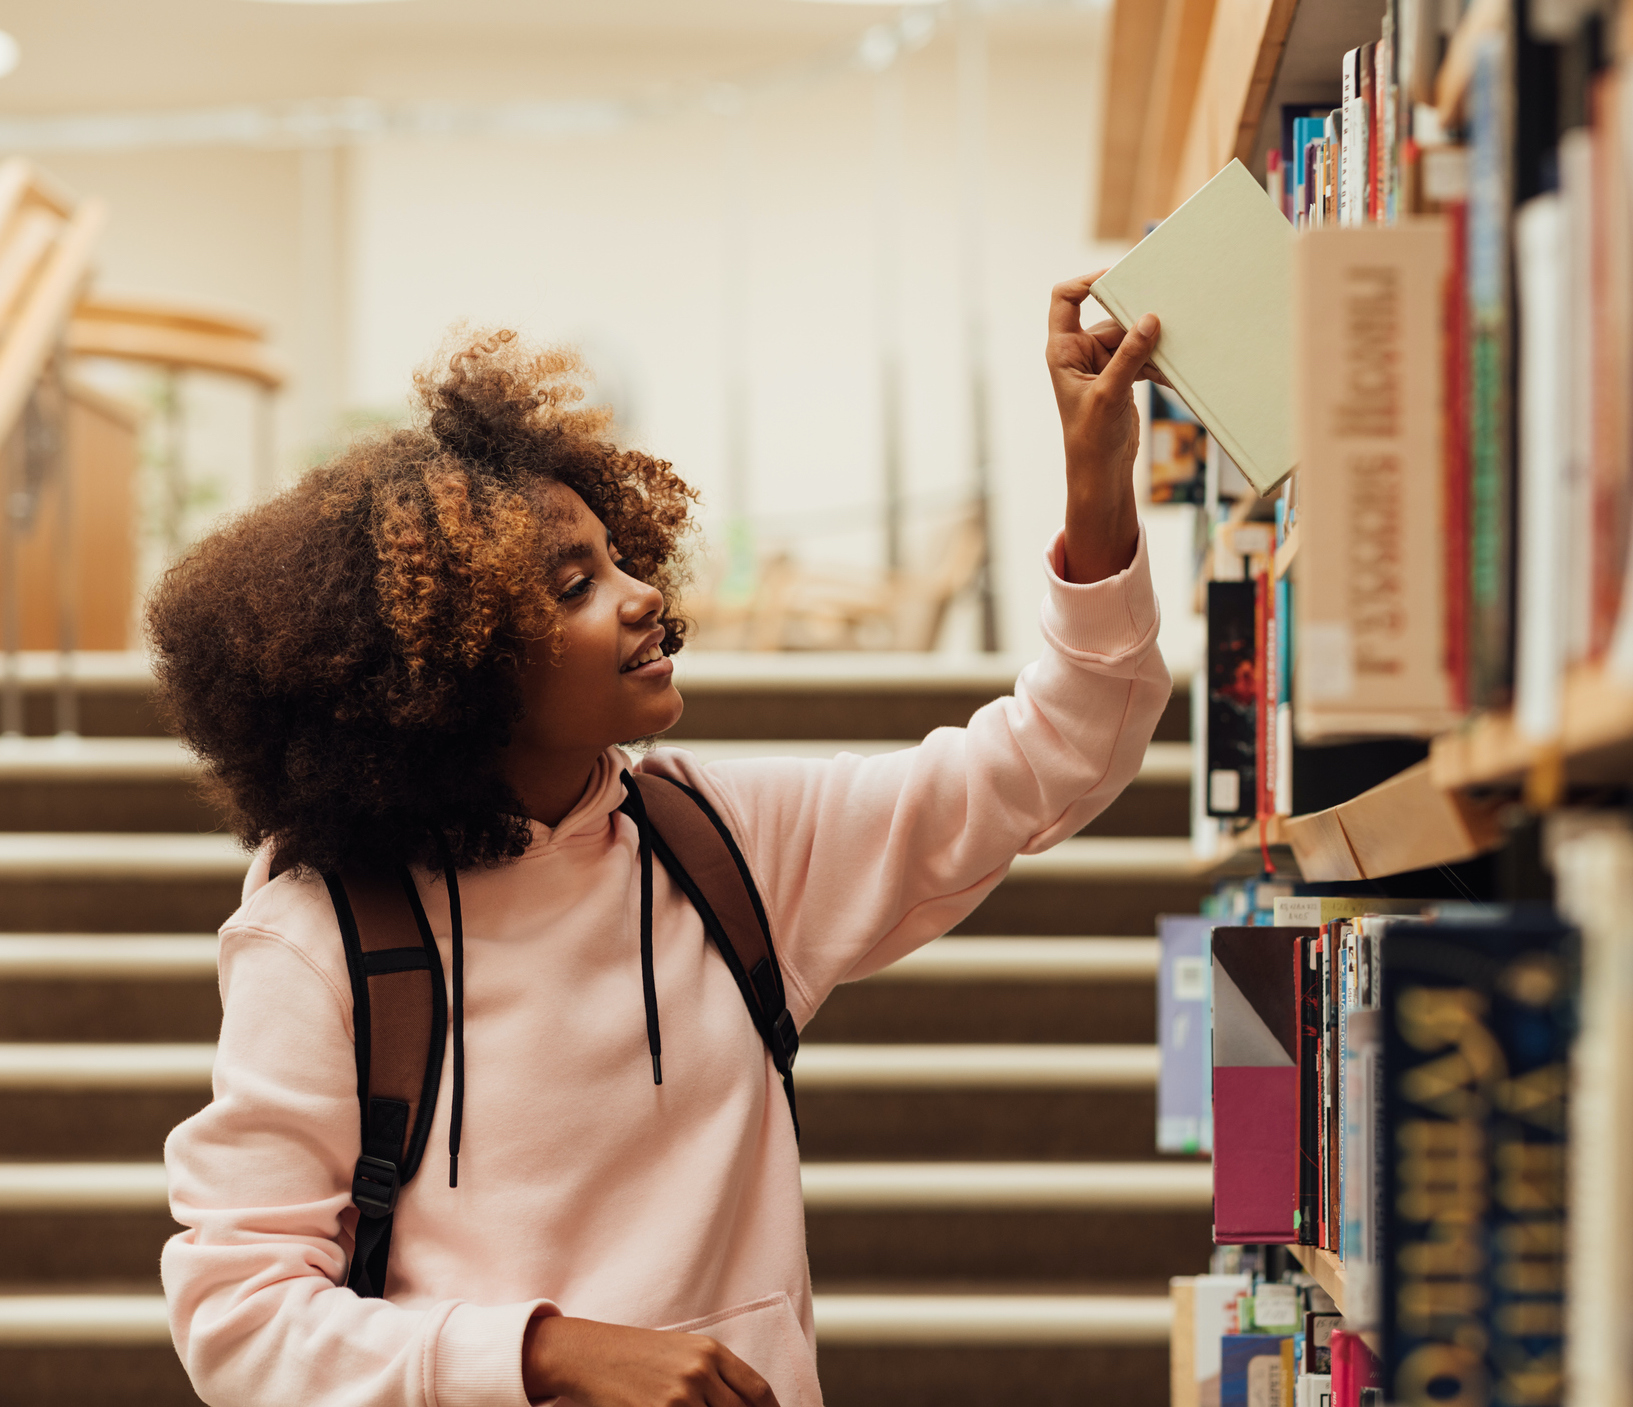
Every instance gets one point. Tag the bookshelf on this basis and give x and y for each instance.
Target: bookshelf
(1492, 181)
(1326, 1269)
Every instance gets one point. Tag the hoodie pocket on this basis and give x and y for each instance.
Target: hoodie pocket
(766, 1334)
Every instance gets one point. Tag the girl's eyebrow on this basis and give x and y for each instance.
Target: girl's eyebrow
(575, 552)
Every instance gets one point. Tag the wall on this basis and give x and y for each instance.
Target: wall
(623, 242)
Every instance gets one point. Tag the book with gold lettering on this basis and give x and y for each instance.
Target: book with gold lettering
(1217, 272)
(1372, 616)
(1477, 1023)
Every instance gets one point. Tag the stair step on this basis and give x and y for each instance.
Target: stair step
(115, 855)
(840, 1319)
(127, 855)
(992, 1319)
(31, 1065)
(837, 1066)
(79, 759)
(1021, 959)
(36, 1187)
(138, 957)
(1007, 1186)
(172, 956)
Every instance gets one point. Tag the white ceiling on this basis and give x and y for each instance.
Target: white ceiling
(107, 55)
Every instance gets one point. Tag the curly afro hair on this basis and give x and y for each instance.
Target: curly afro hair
(344, 657)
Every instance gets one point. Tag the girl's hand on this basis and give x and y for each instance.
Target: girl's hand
(612, 1365)
(1094, 372)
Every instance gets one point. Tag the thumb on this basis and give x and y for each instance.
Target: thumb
(1131, 355)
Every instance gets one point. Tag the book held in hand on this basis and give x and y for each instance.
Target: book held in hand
(1218, 273)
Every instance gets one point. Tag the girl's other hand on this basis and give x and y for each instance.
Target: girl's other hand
(1094, 372)
(612, 1365)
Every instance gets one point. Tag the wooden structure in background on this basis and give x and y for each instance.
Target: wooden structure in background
(102, 434)
(1187, 86)
(55, 580)
(175, 335)
(68, 453)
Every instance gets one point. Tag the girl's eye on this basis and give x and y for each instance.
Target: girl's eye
(579, 586)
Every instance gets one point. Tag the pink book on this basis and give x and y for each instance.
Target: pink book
(1255, 1085)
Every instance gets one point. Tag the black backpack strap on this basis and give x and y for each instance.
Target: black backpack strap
(701, 856)
(400, 1024)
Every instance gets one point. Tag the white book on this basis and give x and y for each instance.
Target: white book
(1576, 189)
(1218, 272)
(1313, 1390)
(1594, 870)
(1543, 626)
(1350, 137)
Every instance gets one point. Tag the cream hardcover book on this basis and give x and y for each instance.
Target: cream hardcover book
(1219, 273)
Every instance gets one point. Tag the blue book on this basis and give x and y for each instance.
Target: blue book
(1305, 131)
(1185, 1084)
(1250, 1369)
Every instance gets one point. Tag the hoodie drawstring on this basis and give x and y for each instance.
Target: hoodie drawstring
(633, 807)
(456, 925)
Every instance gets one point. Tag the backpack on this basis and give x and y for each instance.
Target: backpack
(400, 1002)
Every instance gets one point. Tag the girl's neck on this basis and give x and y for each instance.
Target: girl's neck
(548, 781)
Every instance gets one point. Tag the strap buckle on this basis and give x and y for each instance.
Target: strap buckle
(785, 1039)
(374, 1186)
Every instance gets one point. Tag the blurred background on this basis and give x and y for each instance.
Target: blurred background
(806, 248)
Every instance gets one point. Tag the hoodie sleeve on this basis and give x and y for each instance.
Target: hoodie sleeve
(863, 859)
(256, 1291)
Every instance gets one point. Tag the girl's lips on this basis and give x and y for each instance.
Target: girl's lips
(660, 668)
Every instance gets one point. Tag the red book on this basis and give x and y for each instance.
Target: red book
(1264, 654)
(1353, 1368)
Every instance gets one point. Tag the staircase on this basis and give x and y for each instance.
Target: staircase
(987, 1217)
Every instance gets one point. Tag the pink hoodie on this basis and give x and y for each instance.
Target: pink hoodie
(584, 1188)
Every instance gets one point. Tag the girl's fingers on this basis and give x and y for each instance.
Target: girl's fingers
(746, 1385)
(1066, 299)
(1130, 358)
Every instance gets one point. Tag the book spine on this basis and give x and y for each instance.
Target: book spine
(1325, 1169)
(1349, 134)
(1612, 356)
(1490, 418)
(1476, 1023)
(1232, 699)
(1306, 976)
(1333, 1082)
(1455, 476)
(1366, 211)
(1265, 641)
(1284, 697)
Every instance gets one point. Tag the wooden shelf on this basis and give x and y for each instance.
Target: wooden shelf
(1326, 1269)
(1287, 552)
(1595, 742)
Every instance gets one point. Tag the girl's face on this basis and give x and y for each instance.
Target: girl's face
(608, 683)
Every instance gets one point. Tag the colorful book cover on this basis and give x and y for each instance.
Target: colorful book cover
(1255, 1086)
(1184, 1087)
(1363, 1097)
(1232, 699)
(1213, 1298)
(1250, 1370)
(1307, 978)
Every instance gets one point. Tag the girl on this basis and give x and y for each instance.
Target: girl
(427, 652)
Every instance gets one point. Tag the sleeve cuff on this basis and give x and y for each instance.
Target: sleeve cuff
(1104, 620)
(479, 1354)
